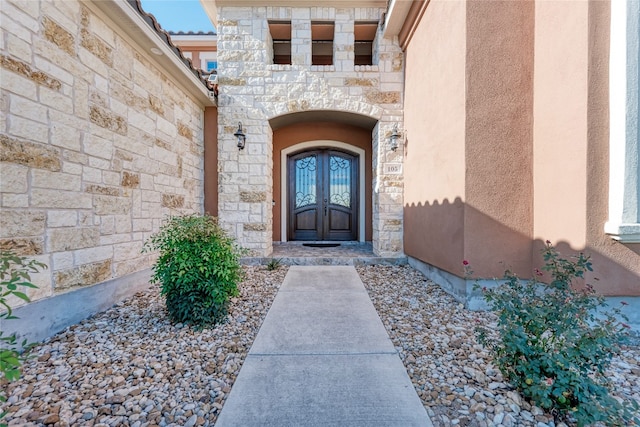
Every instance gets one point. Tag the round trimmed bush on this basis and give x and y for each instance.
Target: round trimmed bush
(198, 268)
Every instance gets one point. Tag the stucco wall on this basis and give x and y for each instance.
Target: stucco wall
(572, 141)
(434, 168)
(499, 185)
(97, 145)
(468, 189)
(536, 139)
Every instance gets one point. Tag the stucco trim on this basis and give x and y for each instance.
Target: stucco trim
(321, 143)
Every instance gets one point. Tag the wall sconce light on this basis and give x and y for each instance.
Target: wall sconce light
(241, 136)
(393, 138)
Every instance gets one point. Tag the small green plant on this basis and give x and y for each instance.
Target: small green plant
(198, 268)
(15, 273)
(554, 342)
(273, 264)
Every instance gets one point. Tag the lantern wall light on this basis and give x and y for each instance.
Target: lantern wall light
(393, 138)
(239, 134)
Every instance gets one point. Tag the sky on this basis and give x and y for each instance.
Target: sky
(179, 15)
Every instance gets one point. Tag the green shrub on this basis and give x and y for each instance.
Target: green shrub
(274, 264)
(554, 342)
(15, 273)
(197, 268)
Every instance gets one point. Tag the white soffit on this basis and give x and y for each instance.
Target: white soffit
(396, 16)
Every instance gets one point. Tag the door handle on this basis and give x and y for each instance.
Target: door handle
(325, 207)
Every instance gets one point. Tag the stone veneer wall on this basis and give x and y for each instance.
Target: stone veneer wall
(253, 91)
(97, 145)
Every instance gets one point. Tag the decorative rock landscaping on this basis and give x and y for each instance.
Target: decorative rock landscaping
(452, 373)
(130, 366)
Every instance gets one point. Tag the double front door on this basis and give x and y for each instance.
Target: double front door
(322, 193)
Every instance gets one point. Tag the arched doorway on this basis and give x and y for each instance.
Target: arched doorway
(340, 223)
(322, 195)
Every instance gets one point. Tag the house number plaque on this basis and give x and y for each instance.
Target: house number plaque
(393, 168)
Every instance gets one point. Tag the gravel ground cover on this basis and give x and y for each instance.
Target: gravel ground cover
(129, 366)
(452, 373)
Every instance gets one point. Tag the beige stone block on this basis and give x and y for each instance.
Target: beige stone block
(65, 136)
(151, 196)
(47, 198)
(56, 100)
(130, 180)
(83, 275)
(31, 8)
(62, 218)
(81, 99)
(131, 265)
(94, 254)
(62, 260)
(141, 121)
(23, 246)
(107, 226)
(97, 47)
(21, 85)
(102, 164)
(56, 180)
(101, 189)
(28, 129)
(172, 201)
(21, 223)
(108, 120)
(15, 200)
(66, 239)
(12, 25)
(58, 36)
(113, 239)
(123, 223)
(108, 205)
(145, 224)
(65, 13)
(100, 28)
(125, 251)
(18, 47)
(185, 130)
(96, 146)
(25, 69)
(253, 196)
(165, 156)
(13, 178)
(72, 168)
(90, 174)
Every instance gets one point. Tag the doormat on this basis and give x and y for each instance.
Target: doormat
(321, 245)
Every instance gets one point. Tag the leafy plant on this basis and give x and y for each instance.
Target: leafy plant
(273, 264)
(15, 273)
(555, 342)
(197, 268)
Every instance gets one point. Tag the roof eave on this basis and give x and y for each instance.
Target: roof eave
(132, 23)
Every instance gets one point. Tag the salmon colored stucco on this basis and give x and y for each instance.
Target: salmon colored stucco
(506, 116)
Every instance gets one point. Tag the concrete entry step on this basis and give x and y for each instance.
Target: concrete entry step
(323, 358)
(347, 253)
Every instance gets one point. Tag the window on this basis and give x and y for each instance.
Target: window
(322, 43)
(365, 33)
(281, 36)
(212, 66)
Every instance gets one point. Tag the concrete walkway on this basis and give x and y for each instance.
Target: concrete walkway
(322, 358)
